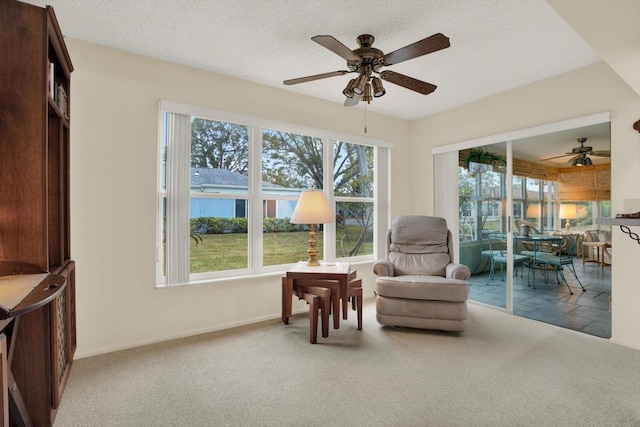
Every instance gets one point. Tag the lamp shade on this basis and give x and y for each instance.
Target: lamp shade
(533, 211)
(312, 208)
(568, 212)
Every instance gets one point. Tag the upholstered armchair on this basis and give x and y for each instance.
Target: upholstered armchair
(419, 285)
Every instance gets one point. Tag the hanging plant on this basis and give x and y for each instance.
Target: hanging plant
(482, 155)
(481, 160)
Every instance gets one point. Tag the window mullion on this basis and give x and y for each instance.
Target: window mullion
(256, 247)
(328, 184)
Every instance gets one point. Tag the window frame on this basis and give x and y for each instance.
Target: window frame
(255, 196)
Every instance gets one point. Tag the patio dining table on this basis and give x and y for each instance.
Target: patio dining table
(538, 240)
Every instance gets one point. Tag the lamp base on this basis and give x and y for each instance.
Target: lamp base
(313, 253)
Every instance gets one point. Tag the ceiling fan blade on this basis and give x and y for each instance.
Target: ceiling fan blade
(431, 44)
(557, 157)
(408, 82)
(354, 100)
(315, 77)
(336, 47)
(600, 153)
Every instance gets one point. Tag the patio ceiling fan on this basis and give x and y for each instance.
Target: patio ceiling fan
(581, 154)
(367, 61)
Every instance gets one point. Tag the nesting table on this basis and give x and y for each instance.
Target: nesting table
(304, 276)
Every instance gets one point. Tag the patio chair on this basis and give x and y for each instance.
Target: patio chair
(498, 255)
(562, 258)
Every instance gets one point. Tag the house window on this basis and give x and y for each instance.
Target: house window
(228, 185)
(353, 189)
(291, 163)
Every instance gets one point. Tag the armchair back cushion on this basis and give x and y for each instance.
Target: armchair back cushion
(419, 245)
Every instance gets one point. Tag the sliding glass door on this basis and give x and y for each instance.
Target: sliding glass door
(520, 202)
(483, 220)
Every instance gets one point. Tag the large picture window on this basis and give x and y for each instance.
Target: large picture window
(228, 186)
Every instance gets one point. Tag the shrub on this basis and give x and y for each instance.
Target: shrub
(219, 225)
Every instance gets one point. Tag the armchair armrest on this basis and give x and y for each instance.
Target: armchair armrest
(457, 271)
(383, 267)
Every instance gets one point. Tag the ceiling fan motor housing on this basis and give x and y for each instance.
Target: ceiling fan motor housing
(582, 148)
(368, 55)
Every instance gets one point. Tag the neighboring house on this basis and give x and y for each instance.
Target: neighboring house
(222, 181)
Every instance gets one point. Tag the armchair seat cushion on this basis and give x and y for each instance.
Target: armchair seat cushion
(418, 287)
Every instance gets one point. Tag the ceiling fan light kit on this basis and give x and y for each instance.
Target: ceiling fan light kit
(361, 81)
(348, 91)
(367, 60)
(378, 89)
(582, 160)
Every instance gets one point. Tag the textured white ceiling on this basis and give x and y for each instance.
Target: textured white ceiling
(496, 45)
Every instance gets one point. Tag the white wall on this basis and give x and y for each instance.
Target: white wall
(114, 104)
(113, 184)
(590, 90)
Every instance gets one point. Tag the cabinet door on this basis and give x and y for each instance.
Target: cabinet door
(63, 334)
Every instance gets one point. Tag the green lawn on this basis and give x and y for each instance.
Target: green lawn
(219, 252)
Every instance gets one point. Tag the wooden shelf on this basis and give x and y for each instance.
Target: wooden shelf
(627, 222)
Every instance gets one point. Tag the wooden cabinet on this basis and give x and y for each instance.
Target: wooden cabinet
(35, 89)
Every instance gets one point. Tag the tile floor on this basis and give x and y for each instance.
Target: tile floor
(550, 302)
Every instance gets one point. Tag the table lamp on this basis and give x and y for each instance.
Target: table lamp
(312, 208)
(568, 212)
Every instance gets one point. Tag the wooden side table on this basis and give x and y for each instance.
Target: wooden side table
(600, 248)
(304, 274)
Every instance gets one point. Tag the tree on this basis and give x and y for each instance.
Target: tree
(295, 161)
(219, 145)
(353, 176)
(291, 160)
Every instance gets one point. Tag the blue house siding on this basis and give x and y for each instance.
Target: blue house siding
(222, 208)
(284, 208)
(211, 180)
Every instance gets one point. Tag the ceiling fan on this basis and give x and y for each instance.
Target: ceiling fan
(580, 153)
(367, 61)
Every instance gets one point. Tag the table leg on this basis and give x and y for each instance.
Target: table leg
(344, 285)
(345, 299)
(601, 257)
(336, 294)
(287, 295)
(335, 302)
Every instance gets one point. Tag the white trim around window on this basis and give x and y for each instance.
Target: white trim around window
(178, 270)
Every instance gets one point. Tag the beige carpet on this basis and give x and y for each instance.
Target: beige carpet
(503, 371)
